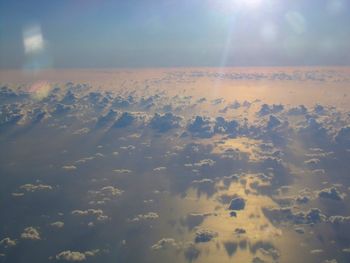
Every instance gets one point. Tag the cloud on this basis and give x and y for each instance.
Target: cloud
(159, 169)
(337, 219)
(122, 171)
(331, 193)
(201, 127)
(148, 216)
(62, 108)
(105, 194)
(299, 110)
(270, 109)
(343, 137)
(8, 242)
(76, 256)
(286, 214)
(10, 115)
(314, 131)
(128, 148)
(273, 122)
(69, 98)
(57, 224)
(165, 122)
(240, 231)
(226, 127)
(81, 131)
(95, 213)
(217, 101)
(120, 102)
(124, 120)
(35, 188)
(69, 167)
(299, 230)
(204, 235)
(204, 163)
(265, 248)
(302, 199)
(205, 185)
(316, 251)
(165, 243)
(107, 118)
(30, 233)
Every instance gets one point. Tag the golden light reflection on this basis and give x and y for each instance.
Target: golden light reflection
(242, 144)
(40, 90)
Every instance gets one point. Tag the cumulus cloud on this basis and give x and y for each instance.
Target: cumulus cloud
(148, 216)
(69, 167)
(81, 131)
(104, 194)
(69, 98)
(343, 137)
(270, 109)
(240, 231)
(122, 171)
(205, 185)
(98, 214)
(120, 102)
(286, 214)
(124, 120)
(201, 127)
(109, 117)
(57, 224)
(165, 243)
(204, 235)
(299, 110)
(331, 193)
(165, 122)
(34, 188)
(30, 233)
(338, 219)
(273, 122)
(76, 256)
(226, 127)
(8, 242)
(159, 169)
(61, 109)
(204, 163)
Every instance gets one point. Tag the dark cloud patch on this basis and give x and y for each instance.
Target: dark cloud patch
(165, 122)
(109, 117)
(270, 109)
(286, 214)
(299, 110)
(342, 138)
(204, 235)
(331, 193)
(124, 120)
(237, 203)
(201, 127)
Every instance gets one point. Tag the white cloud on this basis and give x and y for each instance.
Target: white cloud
(30, 233)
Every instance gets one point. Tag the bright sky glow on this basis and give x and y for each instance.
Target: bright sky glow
(33, 39)
(172, 33)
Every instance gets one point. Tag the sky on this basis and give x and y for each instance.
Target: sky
(170, 33)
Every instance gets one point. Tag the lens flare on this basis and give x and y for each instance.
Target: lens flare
(40, 90)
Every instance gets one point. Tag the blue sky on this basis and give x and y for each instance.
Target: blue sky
(154, 33)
